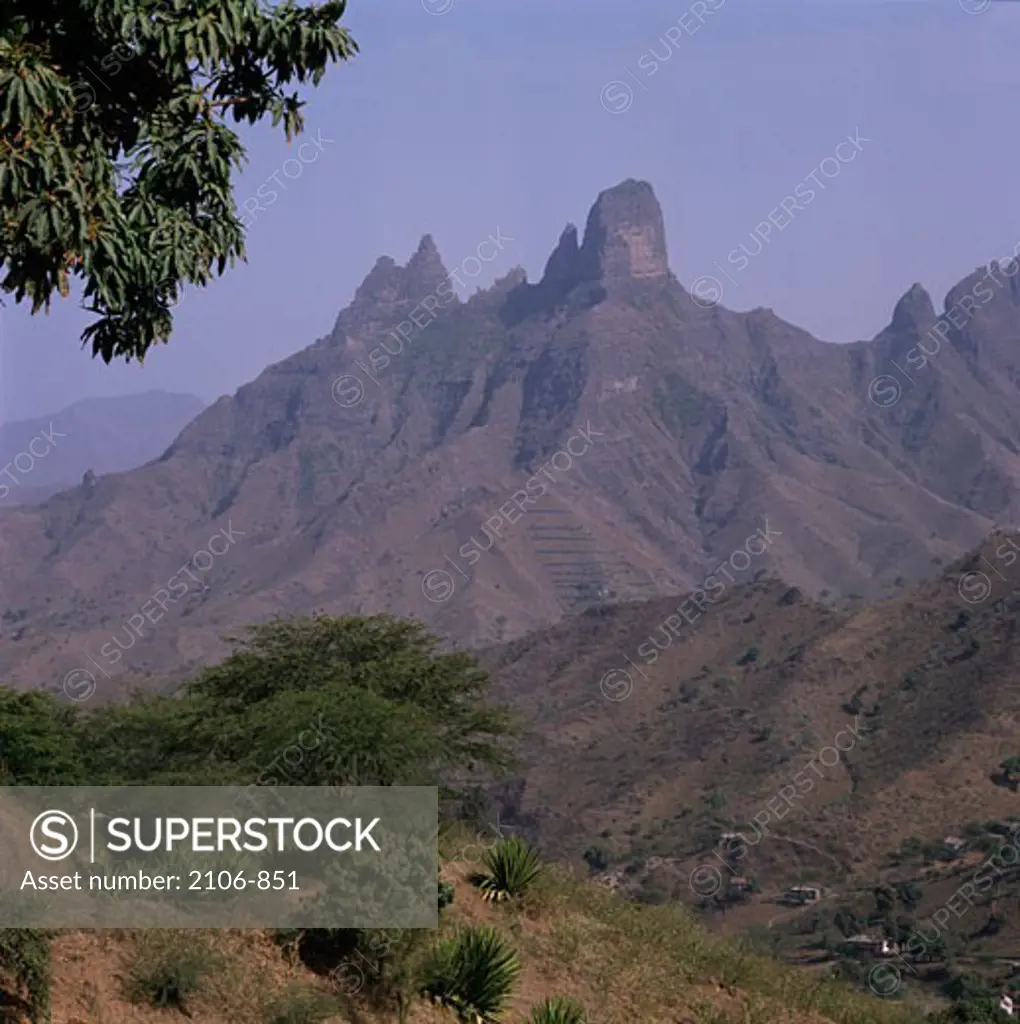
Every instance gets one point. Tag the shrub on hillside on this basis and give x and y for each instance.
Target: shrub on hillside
(447, 893)
(381, 704)
(25, 959)
(170, 967)
(300, 1004)
(558, 1010)
(978, 1011)
(966, 987)
(596, 858)
(471, 974)
(513, 867)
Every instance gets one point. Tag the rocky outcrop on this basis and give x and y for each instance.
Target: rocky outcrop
(914, 313)
(424, 273)
(624, 237)
(624, 241)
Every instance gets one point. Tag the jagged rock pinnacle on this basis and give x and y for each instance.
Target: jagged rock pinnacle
(562, 265)
(624, 236)
(382, 284)
(915, 311)
(424, 272)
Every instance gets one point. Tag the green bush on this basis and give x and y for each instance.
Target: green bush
(912, 847)
(966, 987)
(300, 1004)
(596, 858)
(447, 891)
(169, 968)
(909, 894)
(513, 867)
(558, 1010)
(25, 956)
(471, 974)
(978, 1011)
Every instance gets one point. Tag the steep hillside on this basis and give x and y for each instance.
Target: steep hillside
(840, 749)
(491, 466)
(623, 963)
(654, 707)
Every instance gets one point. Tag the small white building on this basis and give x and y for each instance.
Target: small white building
(803, 894)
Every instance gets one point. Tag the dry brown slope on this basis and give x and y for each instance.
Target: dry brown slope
(624, 963)
(709, 736)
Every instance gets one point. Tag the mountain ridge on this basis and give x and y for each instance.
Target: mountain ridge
(352, 493)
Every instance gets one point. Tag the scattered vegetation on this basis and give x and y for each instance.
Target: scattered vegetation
(170, 967)
(1010, 768)
(300, 1004)
(749, 656)
(387, 707)
(25, 958)
(391, 709)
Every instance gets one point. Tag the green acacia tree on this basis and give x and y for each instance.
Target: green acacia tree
(358, 701)
(40, 741)
(115, 157)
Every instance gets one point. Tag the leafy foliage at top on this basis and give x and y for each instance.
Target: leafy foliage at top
(115, 158)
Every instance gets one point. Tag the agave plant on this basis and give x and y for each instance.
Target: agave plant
(472, 974)
(558, 1010)
(512, 867)
(446, 892)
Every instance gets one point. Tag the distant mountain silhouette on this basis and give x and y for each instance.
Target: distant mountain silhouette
(105, 435)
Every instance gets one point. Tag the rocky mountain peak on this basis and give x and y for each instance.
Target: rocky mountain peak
(387, 282)
(562, 265)
(382, 283)
(914, 312)
(624, 236)
(388, 285)
(424, 272)
(624, 240)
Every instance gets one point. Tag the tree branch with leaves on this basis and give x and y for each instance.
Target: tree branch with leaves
(129, 187)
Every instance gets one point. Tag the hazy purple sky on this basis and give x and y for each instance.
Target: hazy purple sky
(490, 114)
